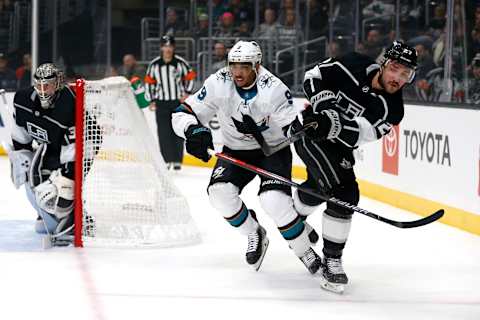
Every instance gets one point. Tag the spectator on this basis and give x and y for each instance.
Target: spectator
(172, 25)
(474, 83)
(373, 45)
(219, 8)
(289, 35)
(219, 56)
(318, 18)
(131, 68)
(24, 72)
(379, 9)
(243, 30)
(269, 27)
(288, 32)
(202, 27)
(240, 11)
(8, 80)
(286, 5)
(227, 29)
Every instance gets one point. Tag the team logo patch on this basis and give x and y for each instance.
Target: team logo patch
(217, 173)
(266, 81)
(345, 164)
(37, 132)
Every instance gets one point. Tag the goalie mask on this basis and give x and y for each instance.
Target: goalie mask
(47, 81)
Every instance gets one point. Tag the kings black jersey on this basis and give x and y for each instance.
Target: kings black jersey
(345, 84)
(53, 129)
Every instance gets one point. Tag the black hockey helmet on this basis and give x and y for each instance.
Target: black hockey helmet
(402, 53)
(167, 40)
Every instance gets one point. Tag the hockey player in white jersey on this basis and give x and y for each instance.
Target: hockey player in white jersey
(247, 88)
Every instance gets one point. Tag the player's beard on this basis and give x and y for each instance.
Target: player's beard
(385, 86)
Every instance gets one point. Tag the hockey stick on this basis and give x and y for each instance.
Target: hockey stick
(267, 149)
(399, 224)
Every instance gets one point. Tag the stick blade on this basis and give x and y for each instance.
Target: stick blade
(421, 222)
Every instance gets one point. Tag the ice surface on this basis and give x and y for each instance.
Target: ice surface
(431, 272)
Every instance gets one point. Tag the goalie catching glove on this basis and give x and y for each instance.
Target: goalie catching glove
(55, 195)
(199, 140)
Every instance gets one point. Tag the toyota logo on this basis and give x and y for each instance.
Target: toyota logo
(390, 143)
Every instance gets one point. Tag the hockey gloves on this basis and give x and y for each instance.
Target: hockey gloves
(328, 124)
(199, 140)
(20, 161)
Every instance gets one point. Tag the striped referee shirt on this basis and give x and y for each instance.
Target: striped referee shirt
(168, 81)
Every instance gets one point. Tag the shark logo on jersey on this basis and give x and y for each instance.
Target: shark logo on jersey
(37, 132)
(224, 75)
(217, 173)
(266, 81)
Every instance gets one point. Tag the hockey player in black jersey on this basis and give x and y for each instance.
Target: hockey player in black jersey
(354, 101)
(43, 151)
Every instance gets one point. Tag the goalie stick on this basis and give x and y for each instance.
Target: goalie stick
(399, 224)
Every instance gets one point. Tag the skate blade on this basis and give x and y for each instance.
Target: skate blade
(258, 264)
(49, 241)
(338, 288)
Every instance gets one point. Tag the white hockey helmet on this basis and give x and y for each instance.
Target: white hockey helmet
(47, 80)
(245, 51)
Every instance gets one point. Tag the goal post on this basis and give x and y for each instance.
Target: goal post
(123, 193)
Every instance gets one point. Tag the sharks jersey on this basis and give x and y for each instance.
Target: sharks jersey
(269, 103)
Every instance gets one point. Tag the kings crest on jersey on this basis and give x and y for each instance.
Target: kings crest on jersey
(269, 102)
(348, 82)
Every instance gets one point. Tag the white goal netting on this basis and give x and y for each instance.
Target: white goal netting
(128, 198)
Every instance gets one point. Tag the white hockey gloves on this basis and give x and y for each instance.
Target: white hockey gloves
(56, 195)
(20, 162)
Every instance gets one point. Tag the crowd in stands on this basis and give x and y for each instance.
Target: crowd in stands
(422, 25)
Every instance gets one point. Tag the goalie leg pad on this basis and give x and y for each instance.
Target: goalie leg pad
(225, 198)
(49, 223)
(55, 195)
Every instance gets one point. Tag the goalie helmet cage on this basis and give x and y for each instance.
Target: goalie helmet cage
(123, 194)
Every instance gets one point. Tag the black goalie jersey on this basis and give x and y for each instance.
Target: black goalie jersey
(345, 84)
(52, 130)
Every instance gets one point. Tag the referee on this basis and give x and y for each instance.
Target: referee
(168, 82)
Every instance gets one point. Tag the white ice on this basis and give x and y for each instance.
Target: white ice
(432, 272)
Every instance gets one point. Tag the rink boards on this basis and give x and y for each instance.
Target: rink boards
(430, 161)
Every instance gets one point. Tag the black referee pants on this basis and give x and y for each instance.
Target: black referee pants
(171, 146)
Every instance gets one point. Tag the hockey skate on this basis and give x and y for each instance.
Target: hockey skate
(311, 260)
(257, 247)
(63, 235)
(332, 276)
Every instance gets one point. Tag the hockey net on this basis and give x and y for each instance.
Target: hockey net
(124, 196)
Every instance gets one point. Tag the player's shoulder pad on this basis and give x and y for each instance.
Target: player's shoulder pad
(267, 80)
(24, 97)
(222, 75)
